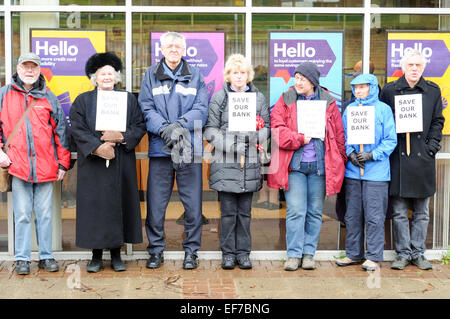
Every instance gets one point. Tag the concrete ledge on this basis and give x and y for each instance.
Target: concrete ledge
(321, 255)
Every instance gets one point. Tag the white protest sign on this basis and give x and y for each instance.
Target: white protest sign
(111, 111)
(408, 113)
(241, 112)
(311, 118)
(360, 125)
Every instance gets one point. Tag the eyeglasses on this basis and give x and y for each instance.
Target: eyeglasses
(174, 46)
(302, 79)
(29, 67)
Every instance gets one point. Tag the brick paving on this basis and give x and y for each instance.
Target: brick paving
(267, 279)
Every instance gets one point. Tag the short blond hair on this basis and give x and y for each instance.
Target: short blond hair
(238, 61)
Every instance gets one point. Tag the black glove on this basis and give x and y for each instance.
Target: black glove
(364, 157)
(354, 159)
(167, 132)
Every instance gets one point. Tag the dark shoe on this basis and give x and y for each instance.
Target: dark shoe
(155, 261)
(244, 262)
(49, 265)
(228, 262)
(22, 267)
(422, 263)
(180, 220)
(116, 261)
(94, 265)
(268, 205)
(399, 263)
(190, 261)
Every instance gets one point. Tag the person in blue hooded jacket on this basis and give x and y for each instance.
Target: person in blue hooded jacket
(367, 193)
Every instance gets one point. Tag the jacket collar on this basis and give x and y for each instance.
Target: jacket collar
(251, 86)
(402, 84)
(161, 75)
(37, 91)
(290, 96)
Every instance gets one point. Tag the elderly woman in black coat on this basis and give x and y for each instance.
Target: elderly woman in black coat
(236, 169)
(108, 204)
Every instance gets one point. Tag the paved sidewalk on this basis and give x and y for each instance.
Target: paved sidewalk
(267, 279)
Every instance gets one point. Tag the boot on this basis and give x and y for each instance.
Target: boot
(96, 263)
(116, 262)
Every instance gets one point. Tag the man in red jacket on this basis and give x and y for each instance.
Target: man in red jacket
(38, 154)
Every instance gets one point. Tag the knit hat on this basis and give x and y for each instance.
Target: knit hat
(310, 71)
(99, 60)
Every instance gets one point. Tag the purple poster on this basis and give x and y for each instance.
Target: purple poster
(205, 50)
(63, 56)
(289, 49)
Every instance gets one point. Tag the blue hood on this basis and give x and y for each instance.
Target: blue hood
(373, 93)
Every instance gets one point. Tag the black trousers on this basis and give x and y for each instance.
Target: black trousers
(160, 183)
(235, 237)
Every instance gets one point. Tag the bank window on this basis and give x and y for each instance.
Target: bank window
(113, 25)
(70, 2)
(222, 3)
(407, 3)
(232, 26)
(439, 205)
(3, 196)
(307, 3)
(272, 217)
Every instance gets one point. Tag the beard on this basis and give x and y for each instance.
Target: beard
(29, 81)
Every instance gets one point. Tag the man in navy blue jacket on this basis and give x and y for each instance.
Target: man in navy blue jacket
(174, 101)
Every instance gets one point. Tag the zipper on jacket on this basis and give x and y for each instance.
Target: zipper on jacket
(30, 153)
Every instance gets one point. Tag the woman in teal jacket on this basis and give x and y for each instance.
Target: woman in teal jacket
(367, 190)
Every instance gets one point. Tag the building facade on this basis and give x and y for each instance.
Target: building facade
(246, 25)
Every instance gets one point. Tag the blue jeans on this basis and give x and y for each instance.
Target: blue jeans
(304, 201)
(29, 197)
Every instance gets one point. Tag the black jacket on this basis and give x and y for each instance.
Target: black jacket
(414, 176)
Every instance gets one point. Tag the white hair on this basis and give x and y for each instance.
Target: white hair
(170, 36)
(117, 77)
(409, 54)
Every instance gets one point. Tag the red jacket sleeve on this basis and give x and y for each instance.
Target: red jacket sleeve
(284, 128)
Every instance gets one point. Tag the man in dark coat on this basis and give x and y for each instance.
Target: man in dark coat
(414, 176)
(174, 102)
(108, 204)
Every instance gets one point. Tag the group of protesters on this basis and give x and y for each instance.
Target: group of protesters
(174, 110)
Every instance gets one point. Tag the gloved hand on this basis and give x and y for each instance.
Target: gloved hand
(4, 159)
(106, 151)
(353, 157)
(364, 156)
(112, 136)
(170, 133)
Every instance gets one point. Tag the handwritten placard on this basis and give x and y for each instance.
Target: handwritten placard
(241, 112)
(311, 118)
(408, 113)
(361, 125)
(111, 111)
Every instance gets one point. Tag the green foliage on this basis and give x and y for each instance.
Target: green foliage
(446, 257)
